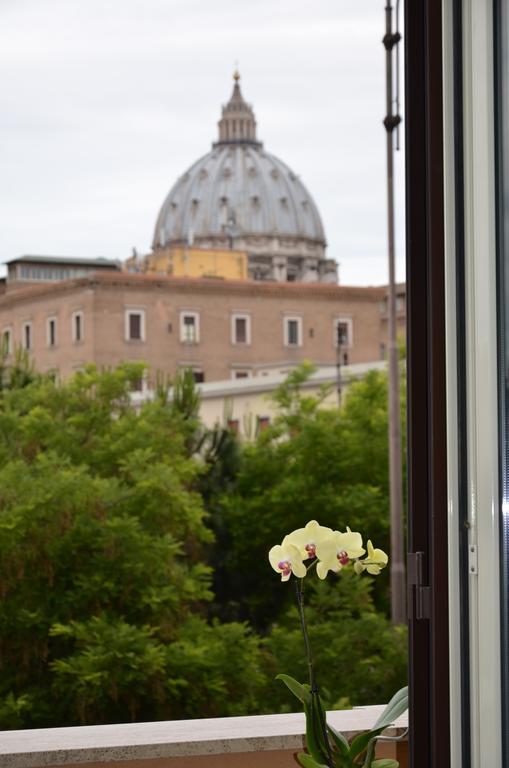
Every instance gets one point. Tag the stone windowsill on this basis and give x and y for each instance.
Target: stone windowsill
(179, 738)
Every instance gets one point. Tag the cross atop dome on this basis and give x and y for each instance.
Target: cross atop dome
(237, 124)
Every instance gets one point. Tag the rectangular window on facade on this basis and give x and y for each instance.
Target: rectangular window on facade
(134, 325)
(342, 330)
(77, 327)
(199, 377)
(7, 341)
(26, 336)
(233, 426)
(189, 327)
(51, 331)
(241, 374)
(241, 329)
(293, 331)
(262, 423)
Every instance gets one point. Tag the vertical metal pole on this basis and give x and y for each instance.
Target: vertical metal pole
(398, 587)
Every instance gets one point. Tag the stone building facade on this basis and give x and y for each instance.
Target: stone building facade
(220, 329)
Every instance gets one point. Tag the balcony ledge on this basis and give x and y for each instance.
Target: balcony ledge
(159, 742)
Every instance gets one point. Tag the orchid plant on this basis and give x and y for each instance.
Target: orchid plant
(318, 547)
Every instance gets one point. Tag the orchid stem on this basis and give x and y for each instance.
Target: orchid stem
(299, 590)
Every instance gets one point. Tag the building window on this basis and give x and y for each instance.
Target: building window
(293, 331)
(233, 426)
(342, 331)
(199, 377)
(51, 331)
(26, 336)
(189, 327)
(241, 373)
(262, 422)
(77, 327)
(7, 341)
(134, 325)
(241, 329)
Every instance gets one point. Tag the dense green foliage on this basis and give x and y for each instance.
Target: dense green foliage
(133, 552)
(313, 463)
(101, 562)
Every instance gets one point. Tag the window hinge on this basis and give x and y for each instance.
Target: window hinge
(472, 559)
(419, 594)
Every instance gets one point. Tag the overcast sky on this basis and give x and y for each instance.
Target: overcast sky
(104, 103)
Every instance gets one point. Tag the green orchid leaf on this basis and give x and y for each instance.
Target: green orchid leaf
(308, 762)
(385, 763)
(361, 742)
(339, 740)
(301, 692)
(396, 706)
(315, 741)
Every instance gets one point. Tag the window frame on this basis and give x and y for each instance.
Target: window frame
(7, 330)
(49, 320)
(286, 335)
(128, 312)
(75, 315)
(27, 324)
(233, 328)
(348, 321)
(182, 326)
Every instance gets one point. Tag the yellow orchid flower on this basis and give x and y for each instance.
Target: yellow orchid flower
(307, 538)
(338, 550)
(286, 559)
(374, 562)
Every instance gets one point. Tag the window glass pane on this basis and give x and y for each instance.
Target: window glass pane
(240, 330)
(77, 327)
(189, 328)
(293, 332)
(134, 325)
(342, 337)
(28, 337)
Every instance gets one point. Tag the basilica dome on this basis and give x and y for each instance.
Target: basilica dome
(240, 196)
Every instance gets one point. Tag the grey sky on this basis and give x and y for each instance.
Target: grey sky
(105, 102)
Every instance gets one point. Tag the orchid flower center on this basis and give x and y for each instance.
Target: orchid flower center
(343, 558)
(311, 550)
(285, 567)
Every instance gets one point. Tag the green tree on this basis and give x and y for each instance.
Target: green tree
(313, 462)
(359, 657)
(103, 584)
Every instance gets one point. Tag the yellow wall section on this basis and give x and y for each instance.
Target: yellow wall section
(198, 262)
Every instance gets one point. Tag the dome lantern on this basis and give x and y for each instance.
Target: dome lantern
(237, 124)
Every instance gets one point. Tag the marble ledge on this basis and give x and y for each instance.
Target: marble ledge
(168, 739)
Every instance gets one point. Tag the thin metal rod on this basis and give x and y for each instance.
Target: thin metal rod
(398, 587)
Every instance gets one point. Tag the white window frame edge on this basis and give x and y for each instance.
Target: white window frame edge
(128, 311)
(78, 313)
(48, 321)
(482, 399)
(349, 322)
(247, 317)
(300, 330)
(189, 313)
